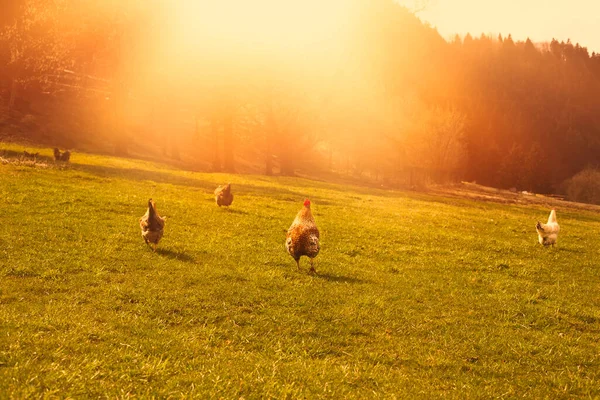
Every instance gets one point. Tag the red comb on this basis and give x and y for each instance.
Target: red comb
(306, 203)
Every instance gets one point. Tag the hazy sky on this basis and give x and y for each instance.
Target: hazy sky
(541, 20)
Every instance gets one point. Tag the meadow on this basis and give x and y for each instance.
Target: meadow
(416, 295)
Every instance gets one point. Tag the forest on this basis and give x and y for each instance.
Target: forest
(368, 92)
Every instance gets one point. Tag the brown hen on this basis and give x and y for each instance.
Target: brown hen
(223, 195)
(302, 238)
(152, 225)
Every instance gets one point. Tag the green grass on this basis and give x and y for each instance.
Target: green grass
(416, 296)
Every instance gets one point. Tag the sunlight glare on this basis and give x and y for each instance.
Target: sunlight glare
(268, 26)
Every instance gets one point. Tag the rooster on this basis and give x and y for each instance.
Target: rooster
(223, 195)
(152, 225)
(548, 232)
(58, 156)
(302, 238)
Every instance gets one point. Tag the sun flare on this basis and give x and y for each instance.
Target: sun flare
(263, 26)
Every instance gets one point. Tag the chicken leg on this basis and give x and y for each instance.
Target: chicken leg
(312, 267)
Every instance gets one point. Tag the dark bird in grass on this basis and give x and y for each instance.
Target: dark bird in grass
(58, 156)
(302, 238)
(548, 232)
(27, 154)
(152, 225)
(223, 195)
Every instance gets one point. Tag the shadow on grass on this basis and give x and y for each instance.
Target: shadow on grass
(303, 187)
(137, 174)
(19, 155)
(339, 278)
(142, 175)
(176, 255)
(568, 250)
(234, 211)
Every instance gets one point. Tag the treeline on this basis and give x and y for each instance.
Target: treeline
(388, 100)
(533, 111)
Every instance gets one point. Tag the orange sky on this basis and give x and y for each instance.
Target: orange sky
(541, 20)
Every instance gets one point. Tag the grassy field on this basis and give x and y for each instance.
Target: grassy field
(416, 296)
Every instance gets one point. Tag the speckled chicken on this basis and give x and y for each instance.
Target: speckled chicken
(152, 225)
(302, 238)
(223, 195)
(548, 232)
(58, 156)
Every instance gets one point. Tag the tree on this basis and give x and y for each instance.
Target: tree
(34, 46)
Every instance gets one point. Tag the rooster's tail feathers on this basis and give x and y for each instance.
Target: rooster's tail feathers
(151, 210)
(552, 217)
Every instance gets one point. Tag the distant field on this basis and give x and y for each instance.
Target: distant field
(417, 296)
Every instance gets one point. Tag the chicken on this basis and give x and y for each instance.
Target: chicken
(152, 225)
(223, 195)
(302, 238)
(27, 154)
(548, 232)
(58, 156)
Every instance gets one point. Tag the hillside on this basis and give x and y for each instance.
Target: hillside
(417, 295)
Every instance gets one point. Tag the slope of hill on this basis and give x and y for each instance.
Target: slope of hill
(416, 295)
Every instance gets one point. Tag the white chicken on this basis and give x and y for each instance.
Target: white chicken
(548, 232)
